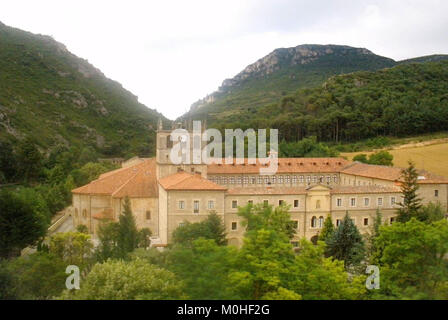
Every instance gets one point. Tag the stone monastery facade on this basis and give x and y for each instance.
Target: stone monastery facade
(164, 195)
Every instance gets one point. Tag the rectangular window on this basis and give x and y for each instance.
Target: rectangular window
(314, 179)
(294, 179)
(353, 202)
(265, 203)
(335, 179)
(392, 201)
(238, 180)
(211, 204)
(181, 224)
(328, 179)
(392, 220)
(260, 180)
(251, 202)
(231, 180)
(266, 180)
(295, 224)
(380, 201)
(295, 244)
(148, 215)
(273, 179)
(196, 206)
(287, 179)
(338, 222)
(339, 202)
(366, 202)
(234, 225)
(246, 180)
(281, 202)
(224, 180)
(436, 193)
(234, 204)
(296, 203)
(366, 221)
(308, 179)
(181, 204)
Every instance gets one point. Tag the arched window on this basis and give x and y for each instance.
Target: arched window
(313, 222)
(321, 222)
(317, 204)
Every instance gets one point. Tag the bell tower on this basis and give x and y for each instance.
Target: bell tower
(165, 167)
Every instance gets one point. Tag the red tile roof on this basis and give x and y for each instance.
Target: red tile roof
(285, 165)
(135, 181)
(186, 181)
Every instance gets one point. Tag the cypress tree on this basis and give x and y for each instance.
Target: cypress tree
(128, 236)
(411, 203)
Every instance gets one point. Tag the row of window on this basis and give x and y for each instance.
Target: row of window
(319, 222)
(280, 179)
(265, 203)
(366, 202)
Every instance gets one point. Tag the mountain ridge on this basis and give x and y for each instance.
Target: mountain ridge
(240, 91)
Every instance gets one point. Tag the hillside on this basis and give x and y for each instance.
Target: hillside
(55, 98)
(282, 72)
(408, 99)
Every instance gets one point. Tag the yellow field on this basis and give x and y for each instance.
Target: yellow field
(433, 158)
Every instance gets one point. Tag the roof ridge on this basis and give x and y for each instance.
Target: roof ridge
(124, 184)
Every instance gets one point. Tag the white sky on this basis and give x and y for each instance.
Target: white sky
(172, 53)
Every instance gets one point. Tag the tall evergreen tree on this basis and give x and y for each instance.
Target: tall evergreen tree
(411, 203)
(347, 244)
(128, 236)
(374, 233)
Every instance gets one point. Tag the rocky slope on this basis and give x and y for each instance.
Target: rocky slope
(55, 98)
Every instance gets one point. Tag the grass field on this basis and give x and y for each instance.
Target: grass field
(433, 158)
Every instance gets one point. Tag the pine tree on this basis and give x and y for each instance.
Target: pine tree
(347, 244)
(411, 203)
(128, 236)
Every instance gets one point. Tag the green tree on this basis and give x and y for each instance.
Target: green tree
(8, 162)
(263, 264)
(431, 213)
(38, 276)
(316, 277)
(411, 203)
(327, 230)
(374, 234)
(412, 260)
(128, 236)
(143, 238)
(382, 158)
(128, 280)
(82, 228)
(266, 217)
(210, 282)
(347, 244)
(30, 160)
(20, 225)
(72, 247)
(108, 240)
(210, 228)
(361, 158)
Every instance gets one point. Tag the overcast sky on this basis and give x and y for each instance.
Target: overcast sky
(172, 53)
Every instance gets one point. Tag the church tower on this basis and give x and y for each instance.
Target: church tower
(165, 167)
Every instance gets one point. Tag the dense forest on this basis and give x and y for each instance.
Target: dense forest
(403, 100)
